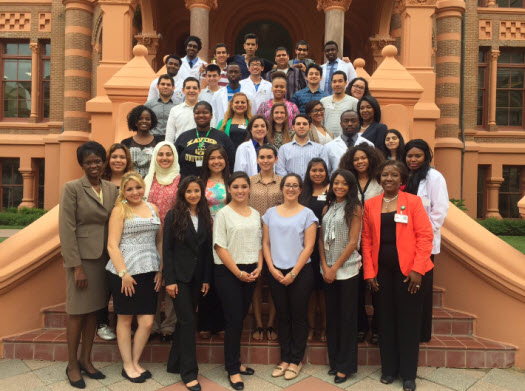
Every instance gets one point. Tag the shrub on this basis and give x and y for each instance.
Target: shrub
(24, 216)
(460, 204)
(504, 227)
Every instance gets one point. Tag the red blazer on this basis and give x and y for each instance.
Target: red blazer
(413, 240)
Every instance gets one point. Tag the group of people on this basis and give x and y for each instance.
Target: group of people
(293, 180)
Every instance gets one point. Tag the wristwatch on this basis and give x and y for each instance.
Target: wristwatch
(293, 275)
(122, 273)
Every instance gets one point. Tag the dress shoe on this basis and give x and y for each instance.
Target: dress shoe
(196, 387)
(340, 379)
(387, 379)
(236, 386)
(409, 385)
(248, 371)
(138, 379)
(95, 375)
(332, 372)
(146, 374)
(77, 384)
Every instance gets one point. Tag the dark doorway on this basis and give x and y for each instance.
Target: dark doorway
(271, 35)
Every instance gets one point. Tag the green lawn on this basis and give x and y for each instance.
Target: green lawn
(2, 239)
(11, 226)
(517, 242)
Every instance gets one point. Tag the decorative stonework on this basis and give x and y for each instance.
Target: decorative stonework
(512, 30)
(420, 2)
(208, 4)
(326, 5)
(15, 21)
(44, 22)
(34, 47)
(485, 29)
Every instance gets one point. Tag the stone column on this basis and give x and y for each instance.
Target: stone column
(334, 20)
(493, 85)
(200, 22)
(28, 183)
(448, 147)
(35, 90)
(493, 185)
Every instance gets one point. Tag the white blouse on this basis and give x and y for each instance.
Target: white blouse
(241, 236)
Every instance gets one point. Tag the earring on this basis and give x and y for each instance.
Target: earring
(124, 201)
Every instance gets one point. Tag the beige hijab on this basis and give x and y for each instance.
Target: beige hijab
(165, 176)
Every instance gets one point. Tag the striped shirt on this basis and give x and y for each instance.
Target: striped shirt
(294, 158)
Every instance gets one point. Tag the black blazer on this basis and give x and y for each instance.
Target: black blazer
(375, 133)
(188, 260)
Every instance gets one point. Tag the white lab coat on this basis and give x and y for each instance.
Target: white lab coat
(263, 94)
(246, 158)
(348, 68)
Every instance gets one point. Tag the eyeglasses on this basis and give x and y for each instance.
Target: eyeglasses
(318, 111)
(294, 186)
(358, 87)
(301, 50)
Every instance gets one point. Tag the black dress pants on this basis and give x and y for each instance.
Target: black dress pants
(211, 316)
(291, 305)
(399, 317)
(427, 292)
(362, 317)
(236, 297)
(341, 324)
(183, 355)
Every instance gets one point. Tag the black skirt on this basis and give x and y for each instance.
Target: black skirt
(143, 302)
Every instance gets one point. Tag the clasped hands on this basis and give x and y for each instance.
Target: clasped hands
(413, 279)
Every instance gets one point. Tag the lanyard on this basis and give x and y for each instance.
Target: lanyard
(201, 139)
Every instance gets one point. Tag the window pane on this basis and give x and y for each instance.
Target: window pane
(24, 49)
(24, 108)
(481, 56)
(481, 77)
(24, 70)
(514, 211)
(480, 117)
(10, 171)
(504, 57)
(11, 49)
(46, 108)
(10, 90)
(516, 99)
(24, 90)
(46, 90)
(10, 69)
(504, 205)
(47, 70)
(502, 98)
(503, 78)
(47, 49)
(517, 79)
(11, 108)
(502, 117)
(515, 117)
(512, 176)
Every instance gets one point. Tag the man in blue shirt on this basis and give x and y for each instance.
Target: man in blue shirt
(313, 91)
(224, 95)
(250, 45)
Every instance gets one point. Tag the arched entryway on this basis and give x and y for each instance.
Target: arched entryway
(271, 35)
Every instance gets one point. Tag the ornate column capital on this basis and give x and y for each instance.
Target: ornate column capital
(401, 5)
(149, 40)
(327, 5)
(85, 5)
(494, 54)
(34, 47)
(207, 4)
(378, 43)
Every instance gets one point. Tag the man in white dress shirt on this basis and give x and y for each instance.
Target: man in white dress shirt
(331, 50)
(181, 116)
(349, 138)
(213, 76)
(255, 87)
(173, 63)
(191, 63)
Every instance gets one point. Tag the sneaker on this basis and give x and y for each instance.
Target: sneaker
(105, 332)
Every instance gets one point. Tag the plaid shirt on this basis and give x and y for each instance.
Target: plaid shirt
(295, 81)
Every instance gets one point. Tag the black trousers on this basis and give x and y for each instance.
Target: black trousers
(103, 313)
(341, 324)
(211, 316)
(236, 297)
(427, 292)
(399, 318)
(183, 355)
(291, 305)
(362, 317)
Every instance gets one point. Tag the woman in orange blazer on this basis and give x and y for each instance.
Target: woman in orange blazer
(397, 244)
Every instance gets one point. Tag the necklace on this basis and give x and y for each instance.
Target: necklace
(387, 200)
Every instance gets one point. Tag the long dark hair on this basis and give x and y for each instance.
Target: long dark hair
(374, 159)
(352, 200)
(375, 105)
(399, 150)
(233, 177)
(107, 174)
(348, 90)
(181, 213)
(286, 125)
(205, 170)
(249, 135)
(308, 187)
(417, 176)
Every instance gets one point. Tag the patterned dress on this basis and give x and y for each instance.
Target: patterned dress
(163, 196)
(216, 196)
(265, 108)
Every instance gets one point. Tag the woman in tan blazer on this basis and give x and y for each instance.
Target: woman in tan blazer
(85, 207)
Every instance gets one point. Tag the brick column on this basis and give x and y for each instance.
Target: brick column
(493, 85)
(493, 185)
(34, 80)
(334, 20)
(448, 148)
(200, 22)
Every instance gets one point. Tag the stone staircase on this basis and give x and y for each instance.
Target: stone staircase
(453, 344)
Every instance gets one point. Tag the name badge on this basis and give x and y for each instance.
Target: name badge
(426, 201)
(198, 163)
(242, 126)
(321, 197)
(148, 150)
(330, 107)
(399, 218)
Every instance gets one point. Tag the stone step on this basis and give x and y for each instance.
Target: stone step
(441, 351)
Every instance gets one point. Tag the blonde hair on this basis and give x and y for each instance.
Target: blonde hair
(126, 212)
(230, 113)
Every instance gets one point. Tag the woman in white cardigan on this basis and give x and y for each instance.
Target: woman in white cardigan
(430, 186)
(246, 156)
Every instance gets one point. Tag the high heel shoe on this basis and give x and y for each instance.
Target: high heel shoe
(95, 375)
(77, 384)
(138, 379)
